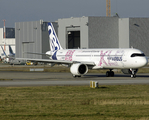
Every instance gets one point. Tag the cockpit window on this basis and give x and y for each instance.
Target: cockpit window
(137, 54)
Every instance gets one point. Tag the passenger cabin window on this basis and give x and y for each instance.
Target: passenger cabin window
(137, 54)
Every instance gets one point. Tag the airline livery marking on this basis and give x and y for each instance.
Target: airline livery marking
(69, 55)
(102, 60)
(53, 38)
(114, 58)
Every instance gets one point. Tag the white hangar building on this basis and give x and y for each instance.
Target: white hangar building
(83, 32)
(8, 40)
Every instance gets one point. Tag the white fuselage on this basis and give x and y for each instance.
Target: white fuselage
(104, 58)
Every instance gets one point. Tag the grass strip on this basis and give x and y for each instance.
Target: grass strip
(75, 102)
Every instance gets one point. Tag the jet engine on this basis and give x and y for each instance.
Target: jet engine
(78, 69)
(128, 71)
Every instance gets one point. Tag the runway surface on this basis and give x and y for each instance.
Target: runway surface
(52, 79)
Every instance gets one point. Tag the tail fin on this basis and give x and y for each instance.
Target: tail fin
(10, 50)
(4, 52)
(53, 40)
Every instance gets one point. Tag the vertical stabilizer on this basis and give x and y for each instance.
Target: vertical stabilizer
(3, 52)
(10, 50)
(53, 40)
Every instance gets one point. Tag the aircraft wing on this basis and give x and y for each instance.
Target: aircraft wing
(56, 61)
(36, 53)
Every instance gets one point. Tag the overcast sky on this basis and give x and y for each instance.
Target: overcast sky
(52, 10)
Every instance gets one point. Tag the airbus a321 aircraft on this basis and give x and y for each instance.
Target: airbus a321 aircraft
(80, 60)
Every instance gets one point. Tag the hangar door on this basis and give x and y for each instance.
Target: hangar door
(27, 47)
(73, 38)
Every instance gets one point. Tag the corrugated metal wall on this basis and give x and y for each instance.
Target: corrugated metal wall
(31, 37)
(103, 32)
(139, 33)
(45, 39)
(124, 33)
(28, 39)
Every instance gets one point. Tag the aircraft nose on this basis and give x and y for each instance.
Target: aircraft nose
(144, 61)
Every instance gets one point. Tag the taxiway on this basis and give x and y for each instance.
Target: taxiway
(51, 79)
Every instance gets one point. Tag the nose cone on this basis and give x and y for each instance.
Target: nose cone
(143, 62)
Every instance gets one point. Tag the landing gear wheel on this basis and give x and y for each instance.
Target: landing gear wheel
(133, 76)
(76, 76)
(112, 73)
(109, 74)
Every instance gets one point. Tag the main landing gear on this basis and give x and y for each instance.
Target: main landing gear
(110, 73)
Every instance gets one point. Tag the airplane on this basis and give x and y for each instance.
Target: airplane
(80, 60)
(10, 58)
(5, 57)
(11, 53)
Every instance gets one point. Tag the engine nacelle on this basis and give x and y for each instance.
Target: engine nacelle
(128, 71)
(78, 69)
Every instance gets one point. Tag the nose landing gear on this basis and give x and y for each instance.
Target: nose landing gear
(133, 75)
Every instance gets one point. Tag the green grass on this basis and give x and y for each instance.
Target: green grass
(116, 102)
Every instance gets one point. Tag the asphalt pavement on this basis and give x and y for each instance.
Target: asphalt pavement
(12, 78)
